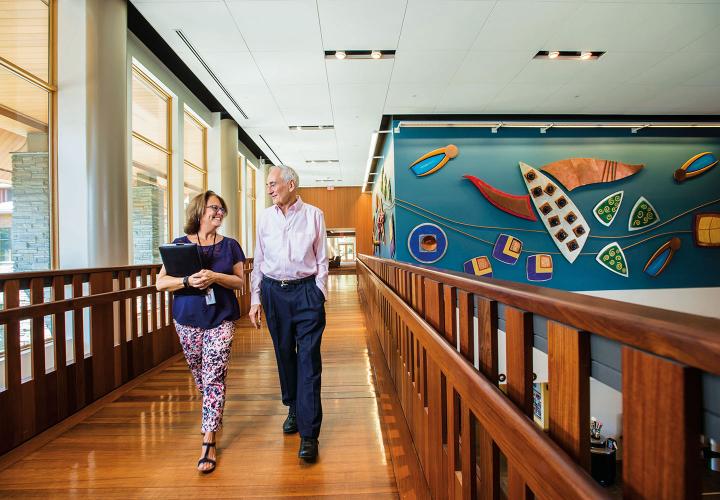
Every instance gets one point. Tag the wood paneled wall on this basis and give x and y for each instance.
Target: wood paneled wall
(345, 207)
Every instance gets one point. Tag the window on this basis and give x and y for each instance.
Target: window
(27, 93)
(151, 161)
(240, 167)
(250, 190)
(195, 156)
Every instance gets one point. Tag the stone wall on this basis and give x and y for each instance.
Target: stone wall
(31, 212)
(148, 219)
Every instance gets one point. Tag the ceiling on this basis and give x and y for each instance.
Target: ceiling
(453, 57)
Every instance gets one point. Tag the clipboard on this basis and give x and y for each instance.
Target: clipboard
(181, 259)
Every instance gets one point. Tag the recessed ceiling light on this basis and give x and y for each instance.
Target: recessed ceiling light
(311, 127)
(359, 54)
(569, 55)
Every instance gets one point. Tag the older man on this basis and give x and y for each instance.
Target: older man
(289, 279)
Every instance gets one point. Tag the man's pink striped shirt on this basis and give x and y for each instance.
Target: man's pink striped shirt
(290, 247)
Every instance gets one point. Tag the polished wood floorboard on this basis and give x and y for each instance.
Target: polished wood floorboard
(145, 444)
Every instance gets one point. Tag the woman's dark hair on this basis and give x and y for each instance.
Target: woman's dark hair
(196, 209)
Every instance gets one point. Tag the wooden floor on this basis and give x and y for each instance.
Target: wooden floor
(146, 442)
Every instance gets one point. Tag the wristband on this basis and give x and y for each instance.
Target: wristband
(186, 282)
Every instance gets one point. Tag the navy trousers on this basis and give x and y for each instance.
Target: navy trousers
(295, 315)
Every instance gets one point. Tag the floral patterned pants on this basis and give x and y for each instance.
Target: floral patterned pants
(207, 353)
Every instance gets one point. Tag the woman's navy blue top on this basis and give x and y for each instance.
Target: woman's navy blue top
(192, 310)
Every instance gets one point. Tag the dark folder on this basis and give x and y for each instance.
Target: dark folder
(181, 259)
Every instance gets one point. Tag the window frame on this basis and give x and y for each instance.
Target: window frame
(148, 78)
(203, 169)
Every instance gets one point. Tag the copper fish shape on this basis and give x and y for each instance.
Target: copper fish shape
(574, 172)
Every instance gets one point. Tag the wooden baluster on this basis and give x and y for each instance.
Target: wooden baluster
(157, 351)
(450, 308)
(453, 446)
(61, 381)
(11, 409)
(488, 453)
(569, 390)
(466, 325)
(468, 453)
(39, 385)
(518, 341)
(136, 345)
(83, 382)
(661, 427)
(101, 330)
(434, 306)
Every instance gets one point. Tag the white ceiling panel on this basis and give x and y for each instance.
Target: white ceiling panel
(617, 67)
(520, 97)
(676, 69)
(366, 25)
(522, 25)
(467, 97)
(447, 25)
(291, 68)
(711, 77)
(278, 25)
(684, 99)
(289, 96)
(258, 104)
(634, 26)
(622, 99)
(419, 95)
(492, 67)
(369, 97)
(709, 42)
(319, 115)
(207, 25)
(359, 70)
(234, 67)
(545, 71)
(426, 66)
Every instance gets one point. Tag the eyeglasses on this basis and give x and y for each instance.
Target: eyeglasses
(217, 209)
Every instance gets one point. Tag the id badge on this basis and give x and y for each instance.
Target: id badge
(210, 297)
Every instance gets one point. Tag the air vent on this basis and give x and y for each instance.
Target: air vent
(312, 127)
(210, 72)
(271, 150)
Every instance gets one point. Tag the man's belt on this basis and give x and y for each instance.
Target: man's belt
(286, 283)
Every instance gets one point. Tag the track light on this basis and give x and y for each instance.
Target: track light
(376, 54)
(586, 55)
(340, 54)
(553, 54)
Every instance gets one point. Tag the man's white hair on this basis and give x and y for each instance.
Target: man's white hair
(288, 174)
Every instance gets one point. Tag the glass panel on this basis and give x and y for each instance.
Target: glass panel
(189, 195)
(194, 178)
(149, 111)
(25, 348)
(87, 339)
(149, 202)
(24, 175)
(194, 142)
(49, 334)
(24, 34)
(69, 330)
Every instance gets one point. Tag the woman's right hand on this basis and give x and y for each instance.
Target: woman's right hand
(198, 280)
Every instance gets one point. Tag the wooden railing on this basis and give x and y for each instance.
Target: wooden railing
(72, 336)
(462, 423)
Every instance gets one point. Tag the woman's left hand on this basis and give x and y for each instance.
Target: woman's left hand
(207, 278)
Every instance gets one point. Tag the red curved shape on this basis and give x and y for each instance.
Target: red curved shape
(519, 206)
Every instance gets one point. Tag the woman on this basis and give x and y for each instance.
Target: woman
(205, 312)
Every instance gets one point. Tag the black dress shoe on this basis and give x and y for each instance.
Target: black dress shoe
(308, 449)
(290, 424)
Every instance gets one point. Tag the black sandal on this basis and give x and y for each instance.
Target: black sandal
(206, 460)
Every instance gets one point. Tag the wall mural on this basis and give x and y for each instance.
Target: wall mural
(383, 207)
(563, 219)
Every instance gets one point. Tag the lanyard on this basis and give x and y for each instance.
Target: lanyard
(204, 255)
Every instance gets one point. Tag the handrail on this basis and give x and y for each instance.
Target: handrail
(431, 323)
(688, 338)
(543, 463)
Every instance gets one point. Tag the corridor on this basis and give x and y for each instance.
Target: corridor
(146, 442)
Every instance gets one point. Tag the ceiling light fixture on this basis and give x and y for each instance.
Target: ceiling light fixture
(359, 54)
(311, 127)
(569, 55)
(494, 126)
(322, 161)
